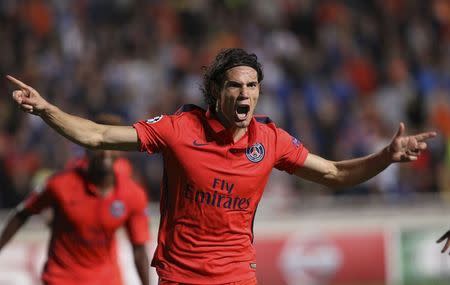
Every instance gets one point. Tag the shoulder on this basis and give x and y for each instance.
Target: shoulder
(186, 114)
(189, 113)
(186, 117)
(265, 124)
(269, 129)
(264, 120)
(65, 176)
(63, 180)
(136, 195)
(190, 109)
(131, 189)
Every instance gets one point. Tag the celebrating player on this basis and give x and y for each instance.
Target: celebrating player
(90, 202)
(216, 164)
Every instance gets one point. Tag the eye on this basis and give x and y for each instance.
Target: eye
(233, 85)
(252, 85)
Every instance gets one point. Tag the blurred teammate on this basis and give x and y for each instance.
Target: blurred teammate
(90, 201)
(216, 163)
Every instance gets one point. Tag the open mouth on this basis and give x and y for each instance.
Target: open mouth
(242, 112)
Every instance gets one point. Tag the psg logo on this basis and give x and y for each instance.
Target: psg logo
(117, 208)
(255, 153)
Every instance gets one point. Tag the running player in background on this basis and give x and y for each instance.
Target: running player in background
(90, 201)
(216, 165)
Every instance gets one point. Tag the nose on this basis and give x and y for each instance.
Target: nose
(244, 92)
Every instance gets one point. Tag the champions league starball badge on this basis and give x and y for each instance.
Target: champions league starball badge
(155, 119)
(255, 153)
(117, 208)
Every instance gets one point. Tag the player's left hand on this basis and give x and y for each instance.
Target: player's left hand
(407, 148)
(447, 243)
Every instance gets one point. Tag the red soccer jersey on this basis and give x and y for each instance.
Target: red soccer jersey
(82, 248)
(211, 188)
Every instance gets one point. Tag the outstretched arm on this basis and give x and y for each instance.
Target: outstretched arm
(346, 173)
(76, 129)
(141, 262)
(16, 220)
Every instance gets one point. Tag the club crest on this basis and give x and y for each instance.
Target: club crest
(255, 153)
(117, 209)
(155, 119)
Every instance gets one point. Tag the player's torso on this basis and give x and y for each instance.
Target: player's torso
(90, 217)
(210, 193)
(225, 169)
(220, 181)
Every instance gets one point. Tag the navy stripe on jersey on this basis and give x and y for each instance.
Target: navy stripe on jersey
(263, 119)
(164, 193)
(188, 108)
(253, 222)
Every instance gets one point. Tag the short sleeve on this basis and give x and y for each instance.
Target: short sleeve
(39, 199)
(155, 134)
(137, 224)
(290, 152)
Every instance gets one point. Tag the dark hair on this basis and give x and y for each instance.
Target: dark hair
(214, 75)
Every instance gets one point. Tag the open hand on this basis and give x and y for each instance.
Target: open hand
(27, 98)
(447, 243)
(408, 148)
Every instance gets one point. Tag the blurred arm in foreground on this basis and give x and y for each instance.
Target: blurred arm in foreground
(13, 223)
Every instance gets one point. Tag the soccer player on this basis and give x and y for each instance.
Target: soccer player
(216, 164)
(90, 202)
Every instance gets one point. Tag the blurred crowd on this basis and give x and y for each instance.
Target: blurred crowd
(339, 75)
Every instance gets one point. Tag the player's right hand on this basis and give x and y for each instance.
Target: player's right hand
(27, 98)
(447, 243)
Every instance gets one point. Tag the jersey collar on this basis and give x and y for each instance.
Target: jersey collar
(224, 136)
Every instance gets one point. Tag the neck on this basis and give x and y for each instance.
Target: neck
(236, 133)
(103, 181)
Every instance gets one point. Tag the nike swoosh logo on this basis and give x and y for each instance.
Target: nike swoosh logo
(199, 144)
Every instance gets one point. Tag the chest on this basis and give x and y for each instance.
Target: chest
(230, 169)
(90, 214)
